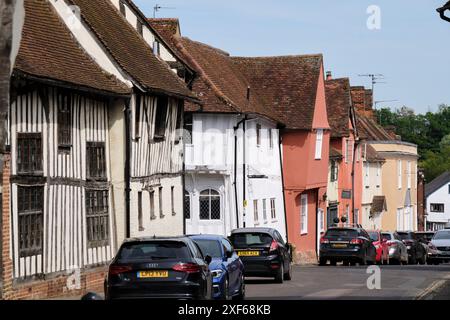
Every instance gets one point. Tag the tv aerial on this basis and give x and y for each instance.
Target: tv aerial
(157, 8)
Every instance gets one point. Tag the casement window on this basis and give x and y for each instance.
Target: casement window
(348, 151)
(152, 205)
(29, 153)
(400, 219)
(140, 27)
(366, 174)
(172, 200)
(273, 213)
(333, 171)
(188, 124)
(408, 172)
(156, 48)
(187, 205)
(356, 216)
(64, 121)
(255, 211)
(264, 203)
(319, 143)
(399, 174)
(270, 138)
(137, 117)
(30, 203)
(210, 205)
(160, 202)
(437, 207)
(162, 104)
(347, 212)
(304, 214)
(123, 10)
(97, 218)
(258, 135)
(140, 218)
(321, 217)
(96, 160)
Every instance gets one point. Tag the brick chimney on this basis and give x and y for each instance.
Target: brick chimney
(329, 75)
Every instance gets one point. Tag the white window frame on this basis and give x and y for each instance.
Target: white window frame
(366, 174)
(265, 210)
(304, 214)
(270, 134)
(321, 214)
(319, 144)
(399, 174)
(408, 168)
(273, 212)
(255, 212)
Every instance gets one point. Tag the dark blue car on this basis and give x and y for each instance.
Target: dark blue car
(226, 268)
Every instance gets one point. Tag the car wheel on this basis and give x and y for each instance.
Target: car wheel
(241, 295)
(333, 262)
(288, 274)
(363, 260)
(322, 261)
(352, 263)
(280, 275)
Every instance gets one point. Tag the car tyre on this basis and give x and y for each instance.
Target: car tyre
(279, 278)
(322, 261)
(241, 295)
(288, 274)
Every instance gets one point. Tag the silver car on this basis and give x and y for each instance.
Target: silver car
(398, 253)
(441, 243)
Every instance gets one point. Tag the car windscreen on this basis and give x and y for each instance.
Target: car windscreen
(254, 239)
(373, 235)
(211, 248)
(155, 250)
(424, 236)
(442, 235)
(386, 236)
(404, 236)
(341, 233)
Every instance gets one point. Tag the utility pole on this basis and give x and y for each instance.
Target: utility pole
(374, 80)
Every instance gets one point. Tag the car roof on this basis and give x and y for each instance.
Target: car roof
(206, 237)
(149, 239)
(247, 230)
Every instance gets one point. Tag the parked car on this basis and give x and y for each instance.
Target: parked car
(398, 253)
(425, 238)
(263, 252)
(441, 243)
(416, 251)
(159, 268)
(226, 267)
(347, 244)
(380, 245)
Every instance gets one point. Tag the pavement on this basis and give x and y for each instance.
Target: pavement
(313, 282)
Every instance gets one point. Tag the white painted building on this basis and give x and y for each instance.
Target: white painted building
(437, 194)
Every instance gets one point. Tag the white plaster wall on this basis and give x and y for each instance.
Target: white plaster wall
(371, 186)
(439, 196)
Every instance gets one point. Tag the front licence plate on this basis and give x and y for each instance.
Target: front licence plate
(339, 245)
(153, 274)
(248, 253)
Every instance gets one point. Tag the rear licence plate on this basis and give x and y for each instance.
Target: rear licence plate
(248, 253)
(153, 274)
(339, 245)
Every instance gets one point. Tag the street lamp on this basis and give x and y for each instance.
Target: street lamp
(442, 11)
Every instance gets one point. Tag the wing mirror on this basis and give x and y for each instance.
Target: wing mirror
(208, 259)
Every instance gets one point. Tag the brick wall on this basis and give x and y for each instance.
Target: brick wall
(52, 287)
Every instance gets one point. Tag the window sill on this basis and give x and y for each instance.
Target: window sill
(141, 229)
(303, 233)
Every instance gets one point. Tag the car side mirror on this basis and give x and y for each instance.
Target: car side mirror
(208, 259)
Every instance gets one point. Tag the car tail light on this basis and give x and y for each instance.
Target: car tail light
(187, 267)
(391, 243)
(324, 241)
(357, 241)
(273, 246)
(116, 269)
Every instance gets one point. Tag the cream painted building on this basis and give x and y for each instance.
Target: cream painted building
(399, 182)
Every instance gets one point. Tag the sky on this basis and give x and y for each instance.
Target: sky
(409, 44)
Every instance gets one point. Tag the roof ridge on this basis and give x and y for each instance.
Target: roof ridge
(314, 55)
(223, 52)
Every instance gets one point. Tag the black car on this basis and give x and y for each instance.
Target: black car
(159, 268)
(349, 245)
(263, 252)
(417, 253)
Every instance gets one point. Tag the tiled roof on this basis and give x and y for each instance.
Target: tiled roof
(372, 155)
(288, 84)
(129, 49)
(49, 52)
(378, 204)
(220, 85)
(338, 106)
(368, 129)
(437, 183)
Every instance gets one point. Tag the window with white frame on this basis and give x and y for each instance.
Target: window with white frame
(264, 209)
(408, 172)
(366, 174)
(319, 143)
(210, 205)
(321, 217)
(378, 174)
(400, 219)
(255, 211)
(399, 174)
(258, 135)
(273, 213)
(304, 214)
(348, 151)
(270, 138)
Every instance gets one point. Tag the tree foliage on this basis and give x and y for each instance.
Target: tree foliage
(430, 131)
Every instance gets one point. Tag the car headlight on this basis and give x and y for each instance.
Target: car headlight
(217, 273)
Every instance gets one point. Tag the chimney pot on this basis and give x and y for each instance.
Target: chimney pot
(329, 75)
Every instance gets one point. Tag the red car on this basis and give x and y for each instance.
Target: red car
(381, 245)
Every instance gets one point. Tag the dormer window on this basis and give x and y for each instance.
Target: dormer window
(122, 9)
(319, 144)
(140, 27)
(156, 49)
